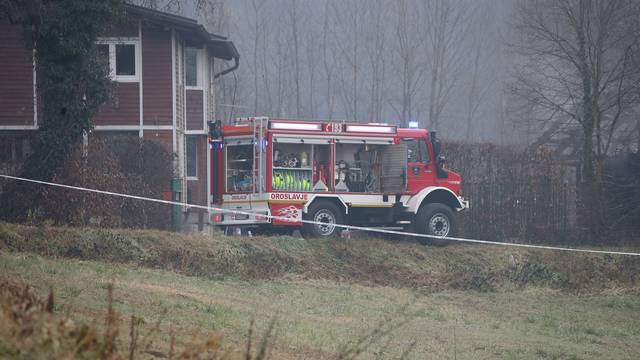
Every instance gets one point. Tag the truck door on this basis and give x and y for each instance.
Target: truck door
(420, 171)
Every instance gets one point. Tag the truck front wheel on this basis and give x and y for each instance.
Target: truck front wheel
(436, 219)
(325, 216)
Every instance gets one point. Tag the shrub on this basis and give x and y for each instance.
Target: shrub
(122, 165)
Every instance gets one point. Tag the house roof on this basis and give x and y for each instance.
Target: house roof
(219, 45)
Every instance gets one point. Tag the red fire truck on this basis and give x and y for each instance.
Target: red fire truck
(330, 173)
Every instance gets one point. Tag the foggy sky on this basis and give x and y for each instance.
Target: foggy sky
(367, 61)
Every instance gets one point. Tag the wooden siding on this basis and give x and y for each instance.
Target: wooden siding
(198, 188)
(194, 110)
(16, 78)
(156, 73)
(123, 108)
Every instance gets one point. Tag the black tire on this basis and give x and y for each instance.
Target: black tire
(323, 211)
(436, 219)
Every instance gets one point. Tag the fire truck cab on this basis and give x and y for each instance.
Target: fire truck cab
(330, 173)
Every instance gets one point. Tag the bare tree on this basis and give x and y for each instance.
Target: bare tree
(293, 18)
(478, 83)
(576, 66)
(258, 32)
(354, 59)
(349, 17)
(312, 60)
(214, 15)
(328, 59)
(447, 27)
(172, 6)
(376, 46)
(410, 50)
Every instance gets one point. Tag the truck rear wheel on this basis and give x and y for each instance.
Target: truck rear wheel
(436, 219)
(325, 216)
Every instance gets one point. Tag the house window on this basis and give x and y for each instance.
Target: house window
(192, 157)
(123, 58)
(192, 67)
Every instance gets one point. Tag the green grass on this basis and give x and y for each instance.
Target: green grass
(318, 318)
(326, 295)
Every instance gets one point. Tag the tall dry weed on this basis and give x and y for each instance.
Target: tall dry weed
(29, 328)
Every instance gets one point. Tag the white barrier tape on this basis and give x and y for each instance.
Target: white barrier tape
(353, 227)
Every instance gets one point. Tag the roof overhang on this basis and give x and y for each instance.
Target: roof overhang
(219, 46)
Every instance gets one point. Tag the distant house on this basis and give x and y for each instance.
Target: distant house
(163, 66)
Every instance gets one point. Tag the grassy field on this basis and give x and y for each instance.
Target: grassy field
(461, 302)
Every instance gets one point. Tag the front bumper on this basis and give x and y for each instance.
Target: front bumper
(465, 203)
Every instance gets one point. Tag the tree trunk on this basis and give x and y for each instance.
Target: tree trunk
(589, 196)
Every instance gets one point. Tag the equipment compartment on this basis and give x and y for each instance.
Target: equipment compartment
(358, 167)
(239, 172)
(300, 167)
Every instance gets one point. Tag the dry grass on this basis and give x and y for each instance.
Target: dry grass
(29, 329)
(363, 261)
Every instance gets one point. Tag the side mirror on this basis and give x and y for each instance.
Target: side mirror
(441, 159)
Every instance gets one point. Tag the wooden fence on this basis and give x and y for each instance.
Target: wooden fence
(523, 212)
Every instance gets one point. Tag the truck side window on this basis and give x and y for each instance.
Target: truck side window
(416, 150)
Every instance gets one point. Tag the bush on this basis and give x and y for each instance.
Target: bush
(123, 165)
